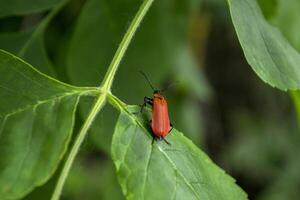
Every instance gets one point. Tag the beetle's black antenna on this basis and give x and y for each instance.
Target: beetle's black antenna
(147, 80)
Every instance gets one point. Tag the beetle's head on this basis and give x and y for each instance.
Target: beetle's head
(155, 91)
(158, 95)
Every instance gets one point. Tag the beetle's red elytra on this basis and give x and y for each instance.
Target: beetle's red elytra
(160, 116)
(160, 123)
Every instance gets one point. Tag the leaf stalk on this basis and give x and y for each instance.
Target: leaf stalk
(105, 89)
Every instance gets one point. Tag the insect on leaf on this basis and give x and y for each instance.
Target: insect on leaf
(162, 171)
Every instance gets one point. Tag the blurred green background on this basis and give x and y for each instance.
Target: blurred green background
(245, 126)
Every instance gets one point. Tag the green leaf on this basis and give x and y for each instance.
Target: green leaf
(36, 122)
(19, 7)
(156, 170)
(267, 51)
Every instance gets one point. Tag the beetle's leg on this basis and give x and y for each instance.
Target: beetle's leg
(153, 138)
(160, 138)
(147, 100)
(166, 141)
(171, 127)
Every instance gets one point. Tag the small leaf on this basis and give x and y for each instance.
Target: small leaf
(161, 171)
(267, 51)
(36, 122)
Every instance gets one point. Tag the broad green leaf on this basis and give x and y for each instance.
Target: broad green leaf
(157, 170)
(160, 48)
(267, 51)
(36, 122)
(20, 7)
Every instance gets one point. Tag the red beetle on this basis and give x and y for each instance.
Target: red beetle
(160, 122)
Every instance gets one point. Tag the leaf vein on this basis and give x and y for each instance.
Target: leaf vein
(17, 174)
(178, 171)
(30, 106)
(146, 170)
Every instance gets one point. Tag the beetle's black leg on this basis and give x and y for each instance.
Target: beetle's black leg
(160, 138)
(171, 127)
(147, 100)
(153, 138)
(166, 141)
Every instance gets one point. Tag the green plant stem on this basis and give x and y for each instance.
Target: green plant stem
(295, 96)
(105, 92)
(109, 76)
(82, 134)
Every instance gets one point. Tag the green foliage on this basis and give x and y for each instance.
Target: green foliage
(267, 51)
(176, 171)
(38, 113)
(37, 119)
(265, 150)
(19, 7)
(29, 44)
(160, 48)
